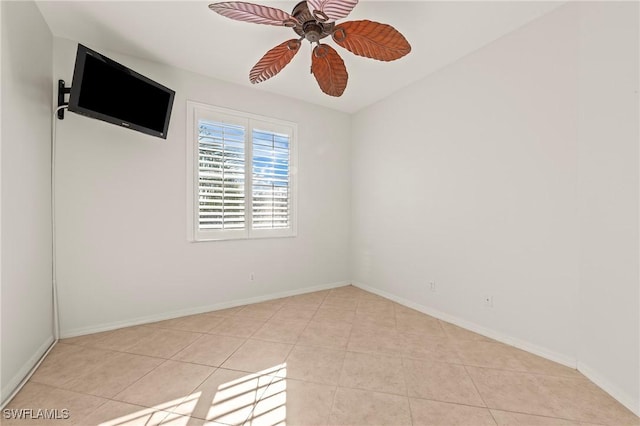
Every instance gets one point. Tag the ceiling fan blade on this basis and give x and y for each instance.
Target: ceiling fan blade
(330, 10)
(249, 12)
(274, 61)
(328, 68)
(372, 40)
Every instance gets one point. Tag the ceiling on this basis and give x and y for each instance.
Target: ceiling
(186, 34)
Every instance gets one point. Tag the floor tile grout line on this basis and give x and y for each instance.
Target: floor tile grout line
(433, 360)
(95, 409)
(479, 394)
(129, 348)
(310, 320)
(333, 401)
(107, 399)
(236, 350)
(186, 347)
(449, 402)
(497, 409)
(410, 410)
(335, 394)
(581, 422)
(143, 376)
(370, 390)
(306, 326)
(428, 359)
(168, 413)
(169, 410)
(94, 368)
(249, 416)
(404, 377)
(61, 387)
(531, 373)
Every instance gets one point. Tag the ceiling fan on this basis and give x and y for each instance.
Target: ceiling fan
(314, 20)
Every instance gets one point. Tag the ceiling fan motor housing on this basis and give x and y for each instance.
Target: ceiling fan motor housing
(311, 29)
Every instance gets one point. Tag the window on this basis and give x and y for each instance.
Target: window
(241, 175)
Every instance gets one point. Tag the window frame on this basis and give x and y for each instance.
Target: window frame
(197, 111)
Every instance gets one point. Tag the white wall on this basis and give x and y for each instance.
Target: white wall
(513, 173)
(27, 325)
(122, 238)
(479, 195)
(609, 297)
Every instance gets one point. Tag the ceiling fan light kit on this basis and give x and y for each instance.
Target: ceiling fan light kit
(314, 20)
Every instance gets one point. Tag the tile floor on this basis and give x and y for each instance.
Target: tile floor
(340, 357)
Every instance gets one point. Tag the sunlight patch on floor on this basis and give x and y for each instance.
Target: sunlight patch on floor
(255, 399)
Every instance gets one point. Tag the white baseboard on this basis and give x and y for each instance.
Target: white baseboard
(566, 360)
(198, 310)
(622, 397)
(28, 368)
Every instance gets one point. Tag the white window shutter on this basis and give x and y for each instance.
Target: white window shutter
(221, 176)
(271, 180)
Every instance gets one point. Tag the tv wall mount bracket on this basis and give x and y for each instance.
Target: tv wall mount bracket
(62, 90)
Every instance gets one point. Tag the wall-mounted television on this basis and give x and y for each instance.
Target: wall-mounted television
(106, 90)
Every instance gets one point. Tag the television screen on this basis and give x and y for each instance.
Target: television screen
(109, 91)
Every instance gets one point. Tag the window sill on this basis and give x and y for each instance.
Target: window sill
(254, 237)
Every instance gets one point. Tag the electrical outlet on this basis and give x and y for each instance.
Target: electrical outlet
(432, 286)
(488, 301)
(252, 277)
